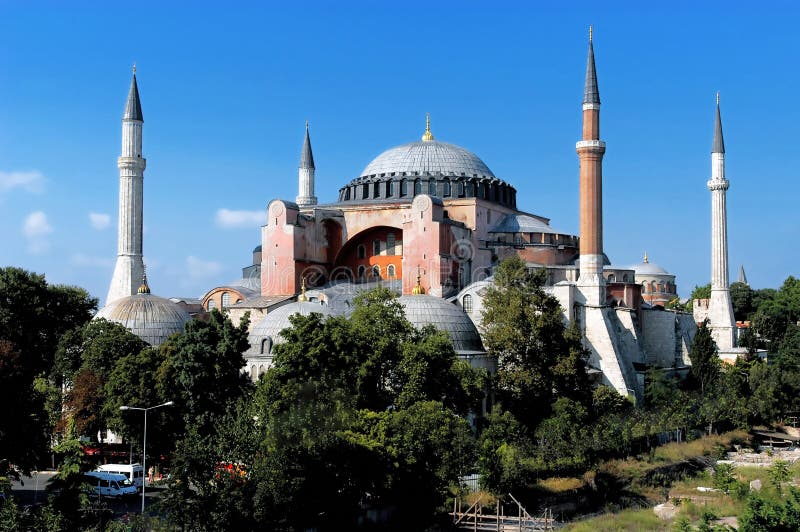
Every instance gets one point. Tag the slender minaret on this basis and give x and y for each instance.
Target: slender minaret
(305, 175)
(720, 309)
(590, 152)
(129, 269)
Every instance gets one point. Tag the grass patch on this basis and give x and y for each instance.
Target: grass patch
(561, 484)
(675, 452)
(626, 520)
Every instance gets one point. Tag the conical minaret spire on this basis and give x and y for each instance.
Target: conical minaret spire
(590, 153)
(742, 276)
(129, 268)
(305, 174)
(720, 308)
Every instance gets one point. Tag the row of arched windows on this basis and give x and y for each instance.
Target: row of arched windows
(496, 191)
(375, 271)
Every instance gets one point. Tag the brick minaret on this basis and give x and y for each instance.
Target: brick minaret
(129, 269)
(305, 175)
(590, 152)
(720, 309)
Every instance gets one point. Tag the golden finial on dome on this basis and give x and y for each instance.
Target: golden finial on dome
(427, 136)
(302, 297)
(418, 290)
(645, 258)
(144, 288)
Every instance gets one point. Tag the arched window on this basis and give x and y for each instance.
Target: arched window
(376, 190)
(389, 188)
(624, 277)
(347, 194)
(226, 299)
(266, 345)
(261, 371)
(212, 304)
(390, 271)
(361, 271)
(466, 303)
(661, 288)
(376, 247)
(417, 187)
(253, 375)
(361, 251)
(403, 187)
(432, 186)
(612, 278)
(645, 288)
(376, 271)
(446, 188)
(390, 242)
(460, 189)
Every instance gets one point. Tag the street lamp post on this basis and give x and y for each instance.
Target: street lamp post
(144, 441)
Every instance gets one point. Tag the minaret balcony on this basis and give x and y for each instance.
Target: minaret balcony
(718, 184)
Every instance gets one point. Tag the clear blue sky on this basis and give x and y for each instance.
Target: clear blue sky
(226, 90)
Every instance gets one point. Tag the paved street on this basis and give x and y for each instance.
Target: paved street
(33, 490)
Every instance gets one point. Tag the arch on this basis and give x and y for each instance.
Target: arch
(361, 271)
(266, 345)
(211, 305)
(460, 189)
(226, 299)
(389, 188)
(417, 187)
(403, 187)
(390, 271)
(466, 303)
(376, 189)
(446, 188)
(376, 271)
(432, 187)
(624, 277)
(612, 278)
(361, 251)
(347, 194)
(261, 371)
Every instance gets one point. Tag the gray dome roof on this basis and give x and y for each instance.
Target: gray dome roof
(422, 310)
(649, 268)
(270, 326)
(428, 157)
(151, 318)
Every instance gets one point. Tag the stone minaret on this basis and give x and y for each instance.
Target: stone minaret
(305, 175)
(720, 309)
(590, 152)
(129, 269)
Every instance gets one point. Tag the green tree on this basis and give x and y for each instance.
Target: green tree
(562, 439)
(701, 292)
(537, 357)
(766, 515)
(33, 316)
(742, 300)
(723, 477)
(705, 360)
(202, 371)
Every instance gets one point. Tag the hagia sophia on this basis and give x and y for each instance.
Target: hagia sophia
(429, 220)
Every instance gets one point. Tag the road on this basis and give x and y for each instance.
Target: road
(32, 489)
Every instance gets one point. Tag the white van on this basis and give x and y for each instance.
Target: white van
(109, 484)
(134, 472)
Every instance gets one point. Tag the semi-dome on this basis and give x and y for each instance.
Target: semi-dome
(151, 318)
(266, 333)
(422, 310)
(428, 158)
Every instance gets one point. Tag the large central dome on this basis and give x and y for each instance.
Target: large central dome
(428, 158)
(427, 167)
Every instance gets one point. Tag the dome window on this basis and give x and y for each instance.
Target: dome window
(376, 272)
(365, 191)
(390, 271)
(212, 304)
(446, 188)
(361, 271)
(361, 251)
(376, 190)
(432, 187)
(417, 187)
(389, 189)
(403, 188)
(466, 303)
(226, 299)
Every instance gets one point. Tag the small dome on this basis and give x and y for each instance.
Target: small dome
(257, 249)
(428, 157)
(151, 318)
(424, 310)
(649, 268)
(270, 326)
